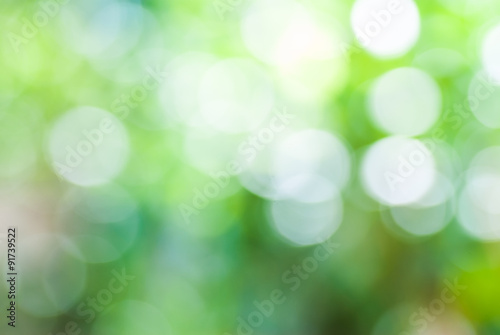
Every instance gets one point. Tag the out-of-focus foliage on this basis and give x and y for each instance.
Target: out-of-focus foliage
(251, 167)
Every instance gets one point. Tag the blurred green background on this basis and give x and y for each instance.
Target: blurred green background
(222, 167)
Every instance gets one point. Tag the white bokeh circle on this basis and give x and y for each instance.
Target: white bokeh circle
(88, 146)
(385, 28)
(405, 101)
(490, 52)
(398, 170)
(484, 99)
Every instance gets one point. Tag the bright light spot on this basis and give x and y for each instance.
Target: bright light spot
(398, 170)
(236, 95)
(308, 170)
(308, 188)
(313, 81)
(313, 151)
(309, 49)
(405, 101)
(285, 33)
(491, 53)
(386, 28)
(313, 159)
(303, 173)
(478, 209)
(441, 192)
(88, 146)
(484, 99)
(307, 223)
(485, 191)
(477, 222)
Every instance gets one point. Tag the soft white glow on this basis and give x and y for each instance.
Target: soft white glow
(285, 33)
(431, 213)
(236, 95)
(478, 207)
(484, 99)
(487, 161)
(309, 169)
(490, 53)
(313, 160)
(307, 223)
(484, 190)
(307, 188)
(398, 170)
(421, 221)
(441, 191)
(477, 222)
(88, 146)
(386, 28)
(405, 101)
(313, 151)
(308, 49)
